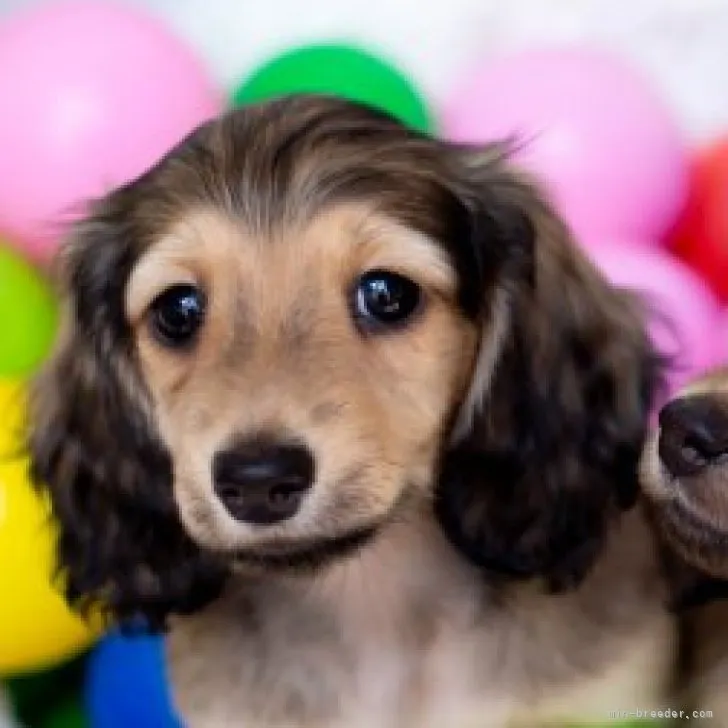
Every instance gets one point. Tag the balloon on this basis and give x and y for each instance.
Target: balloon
(93, 93)
(701, 236)
(340, 70)
(49, 698)
(127, 684)
(686, 314)
(591, 128)
(28, 315)
(67, 715)
(722, 336)
(37, 629)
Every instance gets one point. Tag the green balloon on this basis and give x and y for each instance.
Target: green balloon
(67, 715)
(49, 698)
(339, 70)
(28, 316)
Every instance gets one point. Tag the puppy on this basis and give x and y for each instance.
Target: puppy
(685, 473)
(345, 409)
(684, 479)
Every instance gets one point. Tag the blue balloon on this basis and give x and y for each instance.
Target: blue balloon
(126, 684)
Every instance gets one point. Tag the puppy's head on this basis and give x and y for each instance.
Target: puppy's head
(685, 474)
(307, 318)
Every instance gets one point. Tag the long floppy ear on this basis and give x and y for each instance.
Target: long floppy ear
(546, 446)
(93, 447)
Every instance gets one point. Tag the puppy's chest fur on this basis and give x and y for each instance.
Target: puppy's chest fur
(406, 635)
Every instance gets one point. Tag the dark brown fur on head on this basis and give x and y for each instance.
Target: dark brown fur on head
(539, 453)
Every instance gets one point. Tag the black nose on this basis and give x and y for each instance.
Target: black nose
(263, 482)
(693, 433)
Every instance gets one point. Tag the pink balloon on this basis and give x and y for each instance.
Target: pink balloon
(722, 337)
(591, 128)
(686, 318)
(92, 94)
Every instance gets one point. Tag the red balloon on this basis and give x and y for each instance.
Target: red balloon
(701, 236)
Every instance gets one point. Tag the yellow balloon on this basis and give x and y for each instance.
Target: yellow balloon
(37, 629)
(12, 417)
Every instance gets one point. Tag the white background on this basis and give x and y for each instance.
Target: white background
(682, 44)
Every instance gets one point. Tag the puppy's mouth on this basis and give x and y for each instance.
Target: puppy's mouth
(704, 495)
(305, 554)
(297, 555)
(692, 515)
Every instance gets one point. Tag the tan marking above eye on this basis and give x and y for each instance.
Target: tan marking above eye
(184, 256)
(383, 244)
(152, 278)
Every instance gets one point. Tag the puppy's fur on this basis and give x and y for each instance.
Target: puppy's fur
(465, 556)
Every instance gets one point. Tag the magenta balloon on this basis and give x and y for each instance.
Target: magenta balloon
(92, 94)
(686, 320)
(591, 127)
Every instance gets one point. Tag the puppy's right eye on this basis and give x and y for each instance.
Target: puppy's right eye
(177, 315)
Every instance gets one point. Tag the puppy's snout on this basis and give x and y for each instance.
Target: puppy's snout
(263, 483)
(693, 434)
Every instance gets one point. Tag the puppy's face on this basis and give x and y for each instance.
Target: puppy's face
(301, 378)
(685, 473)
(306, 318)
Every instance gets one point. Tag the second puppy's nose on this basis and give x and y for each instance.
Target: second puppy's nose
(693, 433)
(263, 483)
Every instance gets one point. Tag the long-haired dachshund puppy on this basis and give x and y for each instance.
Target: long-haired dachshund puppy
(344, 407)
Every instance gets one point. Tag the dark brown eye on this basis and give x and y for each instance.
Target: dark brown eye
(177, 315)
(385, 298)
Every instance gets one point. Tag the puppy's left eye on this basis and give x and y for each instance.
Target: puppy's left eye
(386, 298)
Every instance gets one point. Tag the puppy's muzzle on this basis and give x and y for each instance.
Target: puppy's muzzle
(263, 483)
(693, 434)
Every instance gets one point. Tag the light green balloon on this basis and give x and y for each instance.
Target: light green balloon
(28, 315)
(339, 70)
